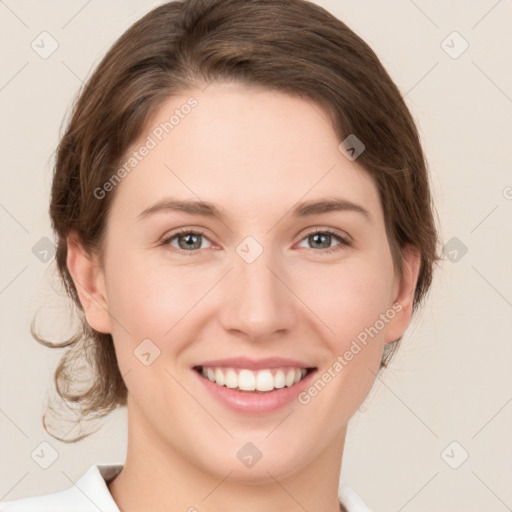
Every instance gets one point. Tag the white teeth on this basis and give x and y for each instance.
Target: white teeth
(264, 381)
(279, 380)
(219, 377)
(231, 379)
(290, 378)
(247, 380)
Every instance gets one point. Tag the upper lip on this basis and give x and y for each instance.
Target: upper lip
(254, 364)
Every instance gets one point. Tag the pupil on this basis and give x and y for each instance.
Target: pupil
(190, 241)
(317, 238)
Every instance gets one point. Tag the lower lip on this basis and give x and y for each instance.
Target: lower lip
(250, 402)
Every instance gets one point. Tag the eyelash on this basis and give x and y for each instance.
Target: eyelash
(344, 242)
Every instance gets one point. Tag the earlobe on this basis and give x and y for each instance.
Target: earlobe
(89, 282)
(404, 298)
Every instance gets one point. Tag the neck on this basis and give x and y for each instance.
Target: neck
(158, 477)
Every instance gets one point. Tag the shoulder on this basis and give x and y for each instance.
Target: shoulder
(351, 500)
(89, 494)
(68, 499)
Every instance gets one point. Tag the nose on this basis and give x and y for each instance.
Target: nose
(257, 302)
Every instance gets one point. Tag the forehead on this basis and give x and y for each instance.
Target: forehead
(244, 148)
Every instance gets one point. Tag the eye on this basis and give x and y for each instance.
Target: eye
(191, 241)
(322, 239)
(187, 240)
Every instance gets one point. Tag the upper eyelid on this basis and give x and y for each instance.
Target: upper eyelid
(336, 232)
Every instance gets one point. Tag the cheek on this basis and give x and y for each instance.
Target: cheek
(356, 297)
(148, 299)
(350, 297)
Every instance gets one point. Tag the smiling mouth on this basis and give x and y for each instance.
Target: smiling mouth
(245, 380)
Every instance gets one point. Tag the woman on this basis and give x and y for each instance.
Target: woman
(244, 218)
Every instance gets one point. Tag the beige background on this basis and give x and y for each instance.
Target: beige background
(452, 379)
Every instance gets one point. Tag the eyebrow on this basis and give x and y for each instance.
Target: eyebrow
(327, 205)
(302, 209)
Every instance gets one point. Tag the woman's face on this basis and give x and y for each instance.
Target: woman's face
(211, 266)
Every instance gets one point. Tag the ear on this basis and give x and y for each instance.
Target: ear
(404, 294)
(89, 283)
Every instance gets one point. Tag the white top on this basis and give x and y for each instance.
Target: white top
(90, 494)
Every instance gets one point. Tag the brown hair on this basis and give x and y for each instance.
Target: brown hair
(292, 46)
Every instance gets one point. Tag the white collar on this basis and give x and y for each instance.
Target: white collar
(90, 494)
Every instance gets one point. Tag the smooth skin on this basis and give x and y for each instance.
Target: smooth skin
(254, 153)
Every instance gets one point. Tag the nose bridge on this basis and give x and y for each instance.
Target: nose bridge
(257, 301)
